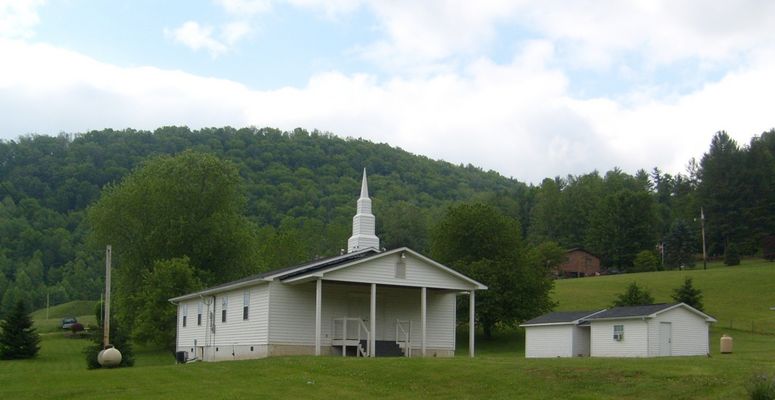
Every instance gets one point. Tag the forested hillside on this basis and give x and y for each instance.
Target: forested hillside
(301, 189)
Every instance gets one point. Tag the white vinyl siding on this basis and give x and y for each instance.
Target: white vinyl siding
(191, 331)
(237, 331)
(689, 333)
(292, 313)
(382, 271)
(634, 343)
(548, 341)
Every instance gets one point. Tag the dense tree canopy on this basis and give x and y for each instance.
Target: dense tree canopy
(299, 189)
(481, 242)
(187, 206)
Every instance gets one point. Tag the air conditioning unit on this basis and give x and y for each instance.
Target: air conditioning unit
(618, 337)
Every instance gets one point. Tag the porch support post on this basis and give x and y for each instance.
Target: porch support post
(423, 315)
(471, 326)
(318, 312)
(373, 322)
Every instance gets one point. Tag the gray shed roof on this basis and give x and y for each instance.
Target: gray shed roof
(632, 311)
(646, 311)
(582, 318)
(560, 317)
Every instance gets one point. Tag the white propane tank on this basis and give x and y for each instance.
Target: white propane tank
(109, 357)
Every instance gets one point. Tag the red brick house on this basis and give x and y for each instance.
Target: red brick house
(580, 263)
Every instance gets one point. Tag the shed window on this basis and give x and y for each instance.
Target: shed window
(224, 306)
(199, 314)
(618, 332)
(184, 312)
(245, 303)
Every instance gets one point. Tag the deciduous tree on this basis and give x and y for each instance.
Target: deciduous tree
(486, 245)
(157, 318)
(189, 205)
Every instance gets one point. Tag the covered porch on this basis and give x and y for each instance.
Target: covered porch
(369, 320)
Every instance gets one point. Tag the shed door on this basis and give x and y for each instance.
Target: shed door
(665, 338)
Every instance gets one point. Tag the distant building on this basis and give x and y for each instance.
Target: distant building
(580, 263)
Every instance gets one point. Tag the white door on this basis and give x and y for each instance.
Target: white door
(665, 339)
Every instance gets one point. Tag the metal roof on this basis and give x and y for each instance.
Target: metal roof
(632, 311)
(583, 317)
(282, 273)
(325, 264)
(560, 317)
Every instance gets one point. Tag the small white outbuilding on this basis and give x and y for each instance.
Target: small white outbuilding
(558, 334)
(654, 330)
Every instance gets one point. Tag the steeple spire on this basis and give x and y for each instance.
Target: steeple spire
(364, 186)
(363, 222)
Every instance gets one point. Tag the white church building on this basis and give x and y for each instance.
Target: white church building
(366, 302)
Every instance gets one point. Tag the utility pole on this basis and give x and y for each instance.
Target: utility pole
(702, 223)
(106, 317)
(662, 250)
(110, 356)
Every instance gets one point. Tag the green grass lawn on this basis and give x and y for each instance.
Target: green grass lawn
(83, 310)
(499, 371)
(59, 373)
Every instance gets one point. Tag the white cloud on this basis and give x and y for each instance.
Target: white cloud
(204, 37)
(245, 7)
(19, 17)
(594, 35)
(196, 37)
(331, 8)
(517, 118)
(234, 31)
(48, 90)
(423, 32)
(663, 31)
(445, 98)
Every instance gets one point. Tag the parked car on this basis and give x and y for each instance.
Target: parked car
(67, 323)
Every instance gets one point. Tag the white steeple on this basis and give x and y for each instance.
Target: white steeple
(363, 223)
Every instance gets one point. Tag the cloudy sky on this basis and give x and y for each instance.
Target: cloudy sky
(528, 88)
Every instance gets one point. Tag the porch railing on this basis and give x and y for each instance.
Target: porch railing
(404, 336)
(351, 332)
